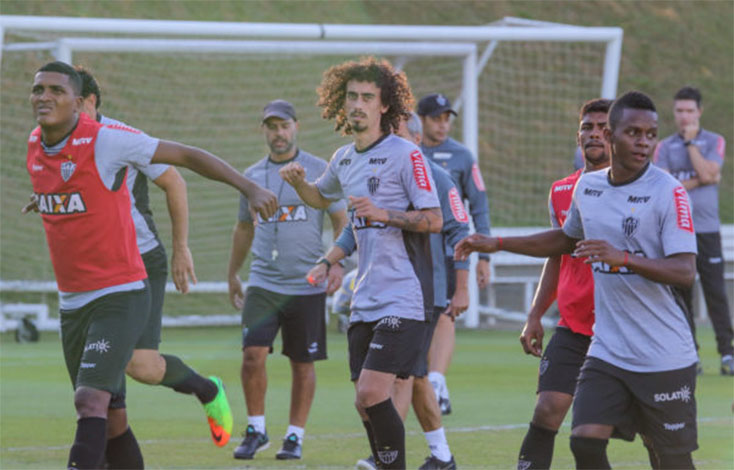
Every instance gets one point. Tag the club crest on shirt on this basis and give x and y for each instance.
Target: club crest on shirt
(630, 225)
(67, 169)
(373, 182)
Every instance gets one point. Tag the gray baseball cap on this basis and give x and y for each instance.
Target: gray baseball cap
(434, 104)
(280, 109)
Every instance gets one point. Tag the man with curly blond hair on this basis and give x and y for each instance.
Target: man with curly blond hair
(393, 208)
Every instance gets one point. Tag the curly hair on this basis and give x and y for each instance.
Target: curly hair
(395, 92)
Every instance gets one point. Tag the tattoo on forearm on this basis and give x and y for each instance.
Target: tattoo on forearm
(414, 221)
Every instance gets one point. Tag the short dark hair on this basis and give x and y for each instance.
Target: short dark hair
(630, 100)
(61, 67)
(689, 93)
(597, 105)
(89, 85)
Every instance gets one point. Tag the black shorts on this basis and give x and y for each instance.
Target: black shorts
(450, 277)
(562, 360)
(659, 405)
(391, 344)
(421, 366)
(303, 318)
(98, 340)
(156, 265)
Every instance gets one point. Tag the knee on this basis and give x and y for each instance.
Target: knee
(589, 452)
(116, 422)
(549, 413)
(90, 402)
(303, 371)
(146, 368)
(252, 361)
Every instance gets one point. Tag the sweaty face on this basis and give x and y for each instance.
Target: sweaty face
(363, 106)
(436, 128)
(280, 135)
(591, 138)
(633, 141)
(53, 99)
(686, 112)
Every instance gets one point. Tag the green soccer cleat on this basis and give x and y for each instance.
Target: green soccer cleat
(219, 415)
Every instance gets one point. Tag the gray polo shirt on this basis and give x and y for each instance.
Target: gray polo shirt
(671, 155)
(146, 233)
(395, 276)
(639, 326)
(287, 245)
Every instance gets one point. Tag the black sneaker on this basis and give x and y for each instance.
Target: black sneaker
(252, 443)
(727, 365)
(291, 448)
(366, 464)
(445, 405)
(433, 463)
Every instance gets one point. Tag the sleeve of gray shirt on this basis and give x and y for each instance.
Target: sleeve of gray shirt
(477, 196)
(423, 195)
(573, 226)
(117, 148)
(328, 183)
(551, 211)
(677, 237)
(346, 240)
(716, 150)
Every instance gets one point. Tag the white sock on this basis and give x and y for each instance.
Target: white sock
(438, 381)
(438, 445)
(257, 422)
(295, 430)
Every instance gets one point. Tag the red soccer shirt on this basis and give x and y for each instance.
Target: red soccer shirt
(575, 291)
(89, 229)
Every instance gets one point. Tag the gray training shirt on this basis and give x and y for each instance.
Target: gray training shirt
(455, 227)
(287, 245)
(395, 273)
(671, 155)
(114, 149)
(639, 326)
(137, 184)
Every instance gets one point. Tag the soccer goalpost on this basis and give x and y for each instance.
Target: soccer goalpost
(517, 85)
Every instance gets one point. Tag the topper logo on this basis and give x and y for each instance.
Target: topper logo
(457, 207)
(81, 141)
(683, 209)
(419, 171)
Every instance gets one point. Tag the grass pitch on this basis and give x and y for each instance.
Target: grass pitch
(492, 387)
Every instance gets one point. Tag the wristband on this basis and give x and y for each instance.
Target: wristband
(499, 243)
(626, 258)
(686, 143)
(325, 261)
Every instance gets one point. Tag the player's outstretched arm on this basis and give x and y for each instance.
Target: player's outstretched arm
(242, 237)
(294, 174)
(182, 263)
(543, 244)
(210, 166)
(676, 270)
(531, 337)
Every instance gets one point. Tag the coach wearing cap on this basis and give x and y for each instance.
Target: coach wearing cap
(435, 112)
(284, 248)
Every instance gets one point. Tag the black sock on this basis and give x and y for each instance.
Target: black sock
(184, 379)
(371, 438)
(389, 434)
(123, 452)
(89, 443)
(677, 461)
(536, 451)
(590, 453)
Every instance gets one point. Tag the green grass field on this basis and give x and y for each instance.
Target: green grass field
(492, 388)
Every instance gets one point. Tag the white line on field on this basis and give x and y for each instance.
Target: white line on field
(355, 435)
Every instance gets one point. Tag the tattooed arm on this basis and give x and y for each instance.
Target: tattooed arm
(424, 220)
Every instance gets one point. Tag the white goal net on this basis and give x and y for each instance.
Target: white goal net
(519, 103)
